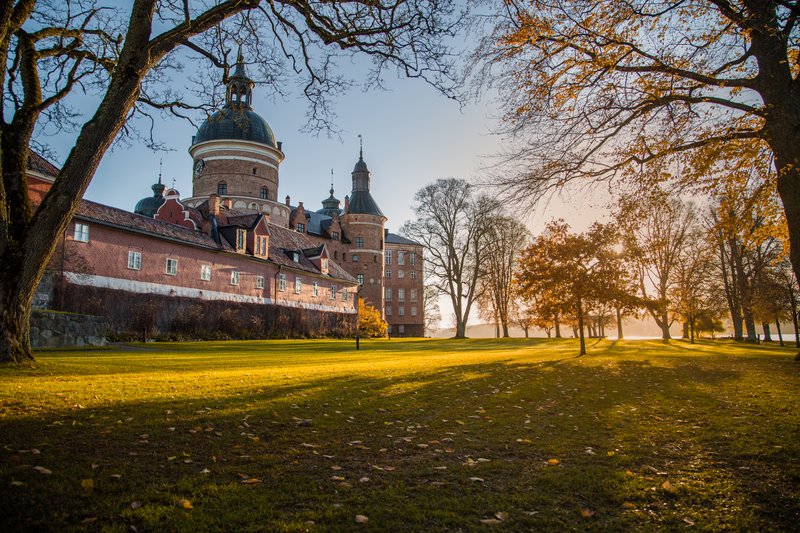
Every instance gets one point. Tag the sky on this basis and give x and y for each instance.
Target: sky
(412, 136)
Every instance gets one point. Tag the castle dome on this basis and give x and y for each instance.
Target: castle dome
(149, 205)
(237, 120)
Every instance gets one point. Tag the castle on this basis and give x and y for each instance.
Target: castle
(233, 240)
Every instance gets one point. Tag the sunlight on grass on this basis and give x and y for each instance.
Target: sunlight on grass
(416, 434)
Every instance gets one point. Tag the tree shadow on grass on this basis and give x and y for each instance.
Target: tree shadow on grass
(442, 449)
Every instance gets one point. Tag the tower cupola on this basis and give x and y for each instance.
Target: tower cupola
(240, 86)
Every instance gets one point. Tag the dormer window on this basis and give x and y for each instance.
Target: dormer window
(301, 228)
(335, 235)
(222, 188)
(296, 257)
(240, 236)
(323, 265)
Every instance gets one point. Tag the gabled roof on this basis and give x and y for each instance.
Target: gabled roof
(283, 241)
(38, 163)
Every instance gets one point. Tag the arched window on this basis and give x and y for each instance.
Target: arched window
(222, 188)
(255, 171)
(264, 192)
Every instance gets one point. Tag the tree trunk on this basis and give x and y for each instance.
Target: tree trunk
(690, 323)
(619, 324)
(557, 325)
(767, 335)
(778, 330)
(796, 328)
(685, 330)
(580, 327)
(665, 324)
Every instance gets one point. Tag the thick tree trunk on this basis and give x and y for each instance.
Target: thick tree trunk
(685, 330)
(796, 328)
(557, 325)
(619, 324)
(767, 334)
(778, 330)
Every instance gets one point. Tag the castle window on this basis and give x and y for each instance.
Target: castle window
(235, 277)
(259, 282)
(389, 313)
(401, 273)
(255, 171)
(374, 258)
(414, 310)
(264, 193)
(240, 233)
(413, 258)
(361, 279)
(298, 285)
(401, 311)
(315, 289)
(323, 265)
(400, 257)
(344, 295)
(388, 294)
(359, 242)
(296, 257)
(388, 273)
(172, 266)
(135, 260)
(222, 188)
(335, 235)
(413, 274)
(282, 282)
(81, 232)
(205, 273)
(333, 292)
(401, 295)
(388, 257)
(301, 228)
(355, 258)
(413, 295)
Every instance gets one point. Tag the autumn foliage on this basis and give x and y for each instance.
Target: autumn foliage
(370, 322)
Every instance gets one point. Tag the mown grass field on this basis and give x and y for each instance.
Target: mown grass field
(425, 435)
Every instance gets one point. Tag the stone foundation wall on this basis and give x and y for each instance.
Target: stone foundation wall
(59, 330)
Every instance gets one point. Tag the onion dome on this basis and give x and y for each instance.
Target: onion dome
(237, 120)
(149, 205)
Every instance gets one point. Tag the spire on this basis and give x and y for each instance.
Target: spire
(361, 174)
(240, 86)
(360, 147)
(158, 188)
(331, 183)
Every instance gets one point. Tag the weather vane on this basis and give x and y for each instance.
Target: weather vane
(360, 146)
(160, 164)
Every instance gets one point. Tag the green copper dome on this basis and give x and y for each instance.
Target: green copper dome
(149, 206)
(235, 122)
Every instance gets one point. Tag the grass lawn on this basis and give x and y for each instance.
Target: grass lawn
(425, 435)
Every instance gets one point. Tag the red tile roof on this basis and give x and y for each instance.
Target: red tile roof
(37, 163)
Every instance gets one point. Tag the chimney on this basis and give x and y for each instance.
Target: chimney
(300, 205)
(287, 200)
(346, 204)
(385, 232)
(213, 205)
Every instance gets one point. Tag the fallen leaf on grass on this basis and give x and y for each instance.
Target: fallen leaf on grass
(688, 521)
(669, 487)
(629, 505)
(491, 521)
(361, 519)
(87, 485)
(553, 462)
(336, 467)
(43, 470)
(251, 481)
(17, 483)
(501, 515)
(337, 478)
(587, 513)
(364, 479)
(476, 479)
(136, 504)
(89, 520)
(185, 504)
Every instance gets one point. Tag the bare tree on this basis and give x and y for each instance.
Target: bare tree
(451, 225)
(52, 48)
(432, 313)
(656, 232)
(600, 90)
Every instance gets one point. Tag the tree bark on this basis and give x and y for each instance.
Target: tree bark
(619, 324)
(778, 330)
(580, 327)
(767, 335)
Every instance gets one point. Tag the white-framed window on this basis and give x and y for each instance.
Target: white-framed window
(401, 257)
(413, 310)
(315, 289)
(282, 282)
(235, 277)
(261, 246)
(360, 279)
(401, 311)
(389, 311)
(81, 233)
(412, 258)
(172, 266)
(323, 264)
(401, 295)
(401, 274)
(388, 294)
(335, 235)
(388, 273)
(388, 255)
(205, 272)
(259, 282)
(240, 235)
(413, 274)
(355, 258)
(298, 285)
(333, 292)
(359, 242)
(301, 228)
(296, 257)
(135, 260)
(413, 295)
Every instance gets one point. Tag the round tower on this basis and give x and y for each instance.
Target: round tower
(364, 223)
(235, 155)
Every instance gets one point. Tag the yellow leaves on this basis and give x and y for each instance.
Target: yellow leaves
(669, 487)
(87, 485)
(587, 513)
(553, 462)
(361, 519)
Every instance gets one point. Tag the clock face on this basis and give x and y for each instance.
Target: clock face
(198, 166)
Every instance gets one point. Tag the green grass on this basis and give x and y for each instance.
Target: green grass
(416, 435)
